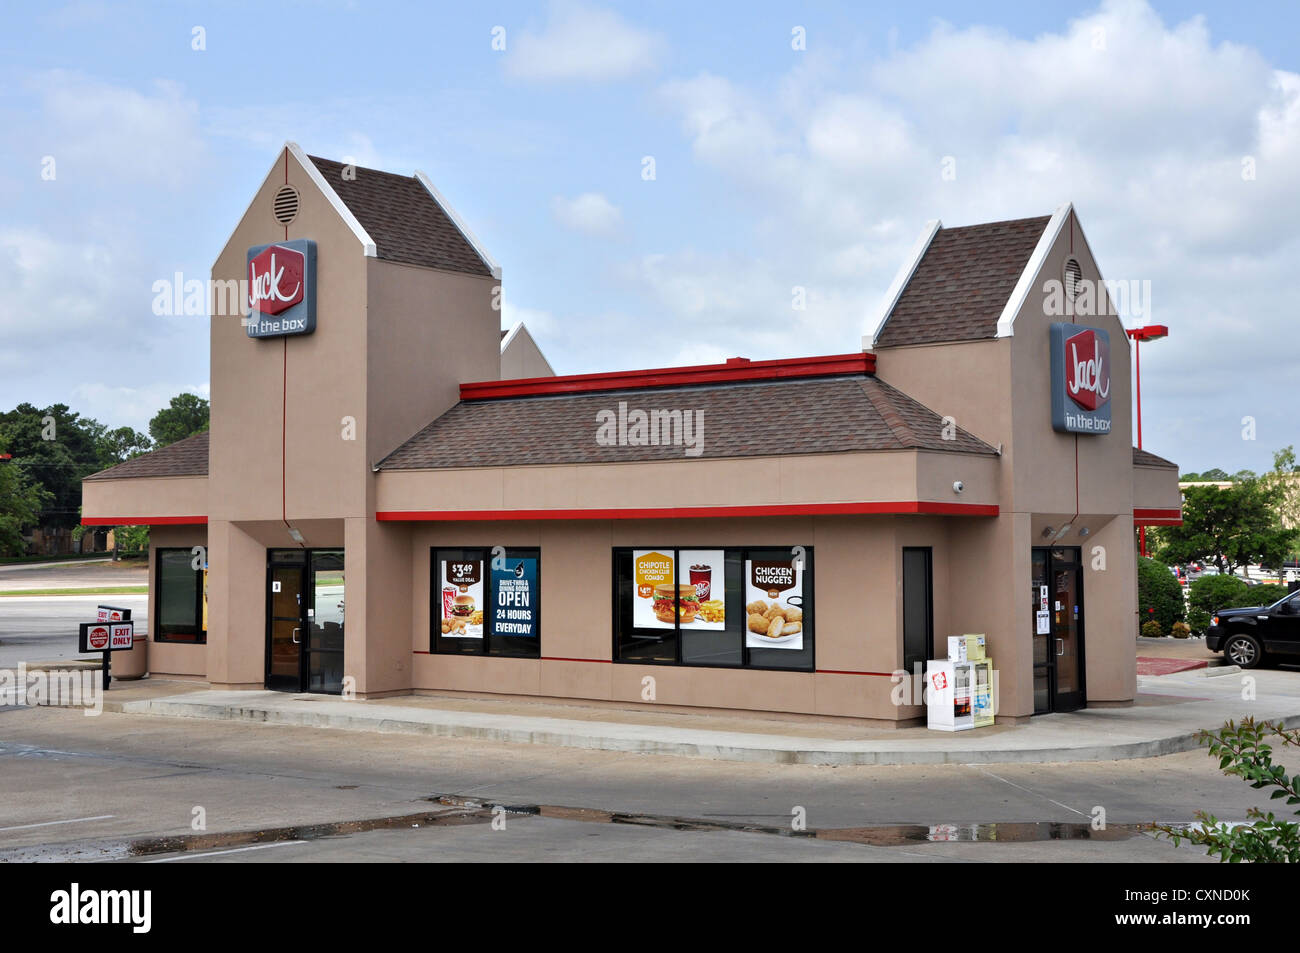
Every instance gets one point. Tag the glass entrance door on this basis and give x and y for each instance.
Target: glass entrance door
(304, 627)
(1058, 629)
(286, 581)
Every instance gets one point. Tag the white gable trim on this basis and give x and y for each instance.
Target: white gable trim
(1029, 276)
(901, 279)
(460, 224)
(510, 336)
(313, 173)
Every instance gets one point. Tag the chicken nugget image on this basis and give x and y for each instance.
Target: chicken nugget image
(793, 615)
(757, 623)
(777, 611)
(757, 606)
(790, 628)
(774, 630)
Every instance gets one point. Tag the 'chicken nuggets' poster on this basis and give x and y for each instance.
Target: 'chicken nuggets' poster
(774, 604)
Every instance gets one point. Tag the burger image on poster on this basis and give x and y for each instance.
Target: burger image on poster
(773, 604)
(462, 599)
(653, 605)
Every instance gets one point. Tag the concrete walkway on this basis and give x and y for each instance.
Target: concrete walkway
(1169, 712)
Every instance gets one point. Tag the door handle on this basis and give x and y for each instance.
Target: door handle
(1060, 647)
(297, 628)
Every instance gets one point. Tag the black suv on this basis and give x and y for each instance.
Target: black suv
(1247, 635)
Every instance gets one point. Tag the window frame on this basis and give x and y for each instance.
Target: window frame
(435, 601)
(746, 665)
(199, 635)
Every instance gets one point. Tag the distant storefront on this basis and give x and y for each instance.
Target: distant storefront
(396, 497)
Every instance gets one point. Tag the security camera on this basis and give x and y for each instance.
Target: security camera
(958, 486)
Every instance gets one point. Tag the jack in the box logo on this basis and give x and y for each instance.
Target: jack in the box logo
(282, 288)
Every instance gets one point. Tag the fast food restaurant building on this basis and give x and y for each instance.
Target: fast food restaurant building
(397, 497)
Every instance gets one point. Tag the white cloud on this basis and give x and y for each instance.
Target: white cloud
(590, 213)
(1143, 125)
(108, 134)
(581, 42)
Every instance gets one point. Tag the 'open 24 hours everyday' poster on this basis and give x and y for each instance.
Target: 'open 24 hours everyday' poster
(513, 612)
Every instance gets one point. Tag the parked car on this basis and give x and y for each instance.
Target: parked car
(1249, 636)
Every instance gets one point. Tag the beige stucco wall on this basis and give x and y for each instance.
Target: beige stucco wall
(751, 481)
(522, 358)
(857, 588)
(1156, 488)
(144, 499)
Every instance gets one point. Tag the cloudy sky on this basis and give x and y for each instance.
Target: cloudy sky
(1174, 128)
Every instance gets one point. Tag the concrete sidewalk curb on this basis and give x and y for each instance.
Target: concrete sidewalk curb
(658, 739)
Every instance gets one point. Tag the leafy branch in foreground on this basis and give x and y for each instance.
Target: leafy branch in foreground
(1244, 750)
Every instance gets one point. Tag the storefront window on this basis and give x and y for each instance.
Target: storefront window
(484, 607)
(180, 603)
(714, 607)
(918, 611)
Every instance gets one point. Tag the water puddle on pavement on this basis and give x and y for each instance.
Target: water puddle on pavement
(885, 835)
(456, 810)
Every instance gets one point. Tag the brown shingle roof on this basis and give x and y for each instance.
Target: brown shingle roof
(959, 289)
(405, 221)
(188, 457)
(822, 415)
(1144, 458)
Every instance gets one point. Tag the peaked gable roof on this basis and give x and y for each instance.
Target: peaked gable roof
(405, 218)
(962, 282)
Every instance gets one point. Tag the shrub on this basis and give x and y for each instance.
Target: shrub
(1264, 595)
(1180, 630)
(1210, 593)
(1158, 589)
(1152, 629)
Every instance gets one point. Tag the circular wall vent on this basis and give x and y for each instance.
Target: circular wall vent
(286, 204)
(1073, 275)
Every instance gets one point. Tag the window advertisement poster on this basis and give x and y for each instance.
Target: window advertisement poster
(462, 598)
(515, 599)
(654, 607)
(774, 604)
(699, 571)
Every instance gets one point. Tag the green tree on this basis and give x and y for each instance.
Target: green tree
(184, 416)
(21, 502)
(1230, 527)
(55, 448)
(131, 539)
(1207, 595)
(1158, 589)
(123, 444)
(1285, 475)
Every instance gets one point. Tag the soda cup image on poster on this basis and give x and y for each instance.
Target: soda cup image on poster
(462, 598)
(774, 604)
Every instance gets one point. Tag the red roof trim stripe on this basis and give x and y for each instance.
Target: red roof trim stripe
(735, 369)
(695, 512)
(1158, 517)
(144, 520)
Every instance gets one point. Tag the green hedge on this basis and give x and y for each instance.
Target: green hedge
(1158, 589)
(1211, 593)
